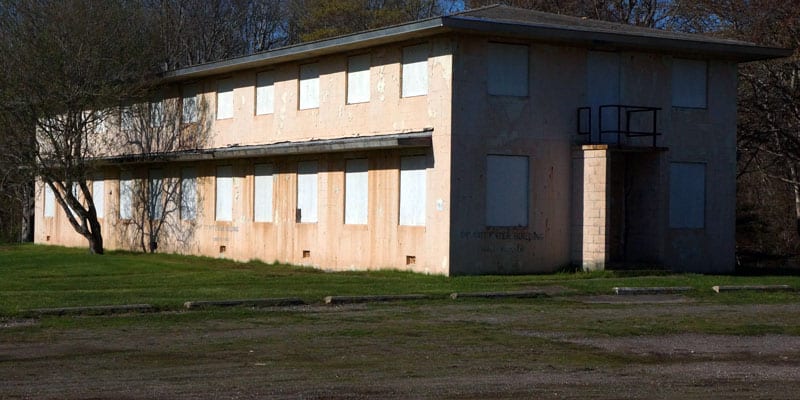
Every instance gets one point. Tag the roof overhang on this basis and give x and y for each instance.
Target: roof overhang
(607, 40)
(406, 140)
(536, 26)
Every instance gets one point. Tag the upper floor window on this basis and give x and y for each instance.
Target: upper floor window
(689, 83)
(225, 99)
(156, 111)
(358, 79)
(265, 93)
(415, 70)
(189, 106)
(309, 86)
(508, 69)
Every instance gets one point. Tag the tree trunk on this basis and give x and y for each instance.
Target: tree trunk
(95, 238)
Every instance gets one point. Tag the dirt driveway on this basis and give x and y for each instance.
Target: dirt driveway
(553, 348)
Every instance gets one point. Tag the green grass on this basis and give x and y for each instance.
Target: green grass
(35, 276)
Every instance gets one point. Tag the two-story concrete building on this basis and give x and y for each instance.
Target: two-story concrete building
(496, 140)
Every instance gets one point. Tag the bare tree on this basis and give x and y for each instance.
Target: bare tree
(155, 132)
(72, 62)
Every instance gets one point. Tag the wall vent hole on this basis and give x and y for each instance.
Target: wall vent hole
(306, 253)
(411, 260)
(222, 249)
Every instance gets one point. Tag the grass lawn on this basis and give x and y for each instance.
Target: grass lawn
(702, 345)
(35, 276)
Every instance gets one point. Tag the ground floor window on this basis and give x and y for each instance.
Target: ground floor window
(687, 195)
(125, 195)
(262, 193)
(307, 192)
(412, 190)
(224, 193)
(507, 188)
(356, 191)
(188, 207)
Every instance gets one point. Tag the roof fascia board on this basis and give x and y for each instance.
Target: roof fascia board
(312, 49)
(416, 139)
(597, 39)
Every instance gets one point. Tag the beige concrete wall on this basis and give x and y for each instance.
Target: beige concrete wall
(539, 126)
(329, 243)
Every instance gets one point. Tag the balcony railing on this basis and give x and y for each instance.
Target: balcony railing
(618, 123)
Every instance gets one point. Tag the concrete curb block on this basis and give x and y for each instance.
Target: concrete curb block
(759, 288)
(117, 309)
(332, 300)
(651, 290)
(270, 302)
(500, 295)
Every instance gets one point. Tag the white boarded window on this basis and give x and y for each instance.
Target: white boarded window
(126, 118)
(412, 190)
(262, 193)
(307, 191)
(224, 198)
(508, 69)
(687, 195)
(309, 86)
(188, 194)
(358, 79)
(689, 83)
(415, 70)
(98, 196)
(356, 191)
(156, 113)
(76, 193)
(189, 103)
(49, 202)
(507, 190)
(125, 196)
(265, 93)
(225, 99)
(155, 197)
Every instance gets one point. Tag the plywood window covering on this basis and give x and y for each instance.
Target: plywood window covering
(307, 191)
(507, 189)
(76, 192)
(125, 195)
(687, 195)
(356, 191)
(155, 197)
(309, 86)
(189, 104)
(689, 83)
(508, 69)
(225, 99)
(126, 119)
(415, 70)
(98, 196)
(188, 194)
(49, 202)
(157, 113)
(358, 79)
(262, 193)
(265, 93)
(412, 190)
(224, 197)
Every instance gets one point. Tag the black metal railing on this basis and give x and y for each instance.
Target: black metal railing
(631, 121)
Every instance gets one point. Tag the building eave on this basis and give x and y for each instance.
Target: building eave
(406, 140)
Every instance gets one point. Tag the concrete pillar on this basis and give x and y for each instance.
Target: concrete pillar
(590, 202)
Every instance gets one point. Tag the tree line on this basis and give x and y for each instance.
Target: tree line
(78, 55)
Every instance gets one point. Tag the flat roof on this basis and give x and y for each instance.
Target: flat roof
(504, 21)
